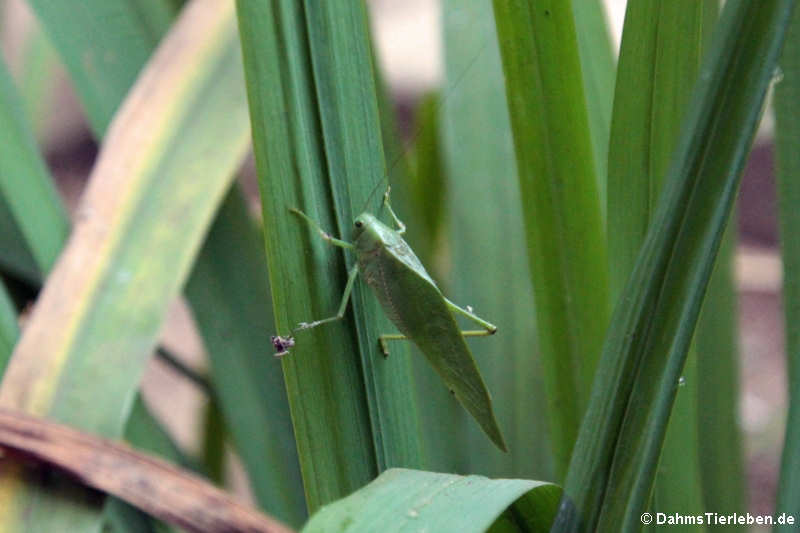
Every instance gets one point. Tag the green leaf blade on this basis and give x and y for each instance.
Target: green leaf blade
(9, 330)
(787, 137)
(662, 45)
(720, 438)
(103, 64)
(598, 67)
(323, 377)
(346, 94)
(410, 500)
(34, 223)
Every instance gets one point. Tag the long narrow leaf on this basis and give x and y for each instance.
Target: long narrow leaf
(787, 137)
(428, 180)
(722, 469)
(323, 378)
(613, 467)
(565, 233)
(338, 35)
(39, 74)
(662, 44)
(103, 304)
(9, 330)
(598, 68)
(104, 64)
(33, 223)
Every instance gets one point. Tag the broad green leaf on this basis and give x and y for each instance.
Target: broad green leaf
(563, 221)
(787, 139)
(231, 271)
(226, 317)
(485, 271)
(412, 500)
(613, 467)
(598, 68)
(33, 224)
(166, 163)
(324, 382)
(662, 43)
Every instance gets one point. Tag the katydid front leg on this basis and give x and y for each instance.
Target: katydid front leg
(324, 234)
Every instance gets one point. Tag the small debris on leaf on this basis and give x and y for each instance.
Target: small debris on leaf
(281, 344)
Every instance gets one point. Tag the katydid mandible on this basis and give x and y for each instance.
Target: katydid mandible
(414, 303)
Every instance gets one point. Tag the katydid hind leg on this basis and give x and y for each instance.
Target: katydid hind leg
(400, 337)
(324, 234)
(489, 328)
(348, 289)
(390, 337)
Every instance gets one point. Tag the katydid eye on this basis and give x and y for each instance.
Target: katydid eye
(359, 223)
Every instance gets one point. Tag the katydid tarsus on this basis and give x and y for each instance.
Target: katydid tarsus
(414, 303)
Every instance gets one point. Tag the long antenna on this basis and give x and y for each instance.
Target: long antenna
(419, 127)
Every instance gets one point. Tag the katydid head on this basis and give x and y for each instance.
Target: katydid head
(369, 231)
(363, 224)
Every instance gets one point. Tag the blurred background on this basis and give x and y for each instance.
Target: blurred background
(409, 45)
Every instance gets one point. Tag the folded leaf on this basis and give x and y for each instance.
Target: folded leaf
(412, 500)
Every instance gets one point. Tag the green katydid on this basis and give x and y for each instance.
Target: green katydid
(414, 303)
